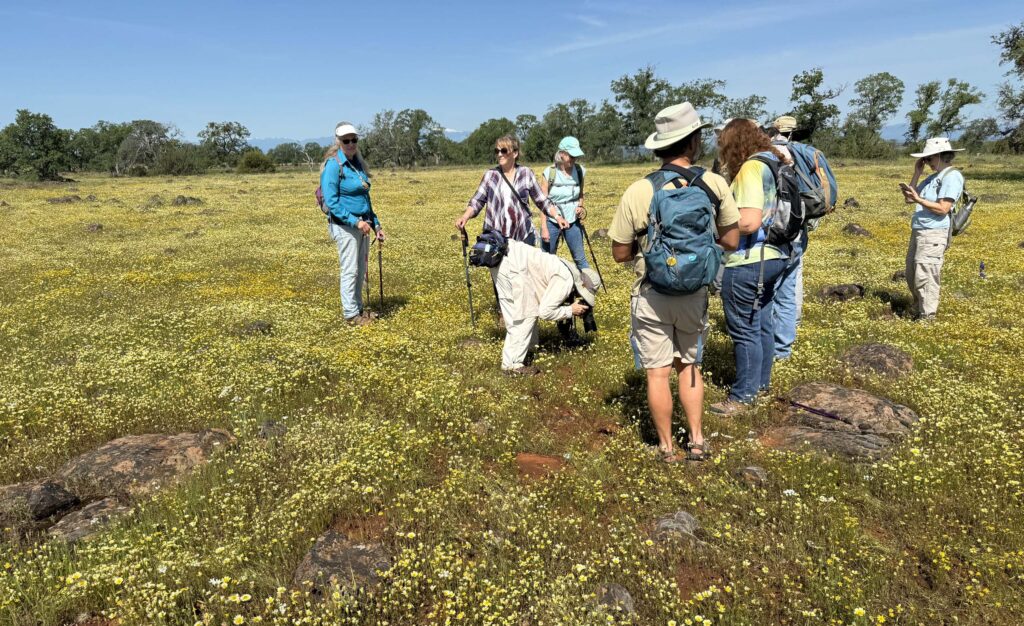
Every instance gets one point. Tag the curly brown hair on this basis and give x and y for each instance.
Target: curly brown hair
(740, 140)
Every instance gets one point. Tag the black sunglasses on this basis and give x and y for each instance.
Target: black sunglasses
(349, 141)
(501, 151)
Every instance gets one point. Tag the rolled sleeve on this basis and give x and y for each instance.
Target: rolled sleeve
(479, 199)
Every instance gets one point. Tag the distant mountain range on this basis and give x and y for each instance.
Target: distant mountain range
(893, 131)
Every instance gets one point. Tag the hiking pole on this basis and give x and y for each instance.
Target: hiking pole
(380, 272)
(593, 256)
(366, 275)
(469, 285)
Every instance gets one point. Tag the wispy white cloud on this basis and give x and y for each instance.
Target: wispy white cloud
(590, 20)
(709, 26)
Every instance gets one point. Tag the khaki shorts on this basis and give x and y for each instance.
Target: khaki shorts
(665, 328)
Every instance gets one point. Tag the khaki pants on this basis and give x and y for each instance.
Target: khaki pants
(520, 335)
(924, 264)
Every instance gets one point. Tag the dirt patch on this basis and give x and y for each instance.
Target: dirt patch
(361, 528)
(692, 579)
(532, 466)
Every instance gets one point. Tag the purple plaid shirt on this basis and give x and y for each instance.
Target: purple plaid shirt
(506, 214)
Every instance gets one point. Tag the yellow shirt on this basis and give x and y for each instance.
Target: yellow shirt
(633, 215)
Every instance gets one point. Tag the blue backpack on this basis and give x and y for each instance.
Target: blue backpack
(681, 254)
(815, 178)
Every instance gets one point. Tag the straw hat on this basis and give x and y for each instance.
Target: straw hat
(936, 145)
(674, 123)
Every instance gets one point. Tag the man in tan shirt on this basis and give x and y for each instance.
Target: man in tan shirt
(668, 331)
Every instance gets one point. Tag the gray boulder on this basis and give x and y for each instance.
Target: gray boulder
(752, 476)
(841, 293)
(878, 358)
(851, 203)
(335, 559)
(137, 465)
(88, 520)
(272, 429)
(836, 420)
(613, 598)
(601, 233)
(679, 526)
(34, 501)
(856, 229)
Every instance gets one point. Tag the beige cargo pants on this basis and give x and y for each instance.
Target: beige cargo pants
(924, 264)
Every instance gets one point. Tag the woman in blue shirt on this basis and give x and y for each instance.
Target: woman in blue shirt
(929, 228)
(562, 184)
(345, 182)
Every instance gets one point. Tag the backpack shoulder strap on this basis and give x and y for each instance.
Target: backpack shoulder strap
(695, 177)
(579, 174)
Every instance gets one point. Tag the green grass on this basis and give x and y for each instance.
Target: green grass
(398, 433)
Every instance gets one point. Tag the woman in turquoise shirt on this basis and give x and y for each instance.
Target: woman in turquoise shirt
(345, 182)
(929, 228)
(562, 183)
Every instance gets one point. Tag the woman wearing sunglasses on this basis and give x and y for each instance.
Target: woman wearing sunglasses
(345, 182)
(505, 191)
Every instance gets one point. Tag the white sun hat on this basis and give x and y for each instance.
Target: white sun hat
(936, 145)
(674, 123)
(343, 129)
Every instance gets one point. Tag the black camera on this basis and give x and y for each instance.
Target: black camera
(589, 323)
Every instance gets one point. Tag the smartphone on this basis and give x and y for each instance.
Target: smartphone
(905, 187)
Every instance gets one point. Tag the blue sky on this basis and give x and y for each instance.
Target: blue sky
(295, 69)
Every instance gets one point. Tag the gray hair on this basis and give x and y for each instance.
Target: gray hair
(560, 156)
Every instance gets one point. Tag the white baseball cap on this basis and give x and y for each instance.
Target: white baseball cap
(344, 128)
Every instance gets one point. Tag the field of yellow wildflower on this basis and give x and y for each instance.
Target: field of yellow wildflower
(406, 434)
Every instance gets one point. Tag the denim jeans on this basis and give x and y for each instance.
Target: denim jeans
(788, 304)
(353, 246)
(573, 238)
(751, 330)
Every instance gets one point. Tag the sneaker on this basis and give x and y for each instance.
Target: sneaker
(524, 370)
(728, 407)
(371, 315)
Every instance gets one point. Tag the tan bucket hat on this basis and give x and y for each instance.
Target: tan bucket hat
(674, 123)
(936, 145)
(785, 123)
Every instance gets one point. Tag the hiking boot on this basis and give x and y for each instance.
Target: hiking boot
(524, 370)
(358, 320)
(728, 407)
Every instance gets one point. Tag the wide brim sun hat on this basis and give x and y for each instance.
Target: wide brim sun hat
(587, 282)
(673, 124)
(345, 129)
(936, 145)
